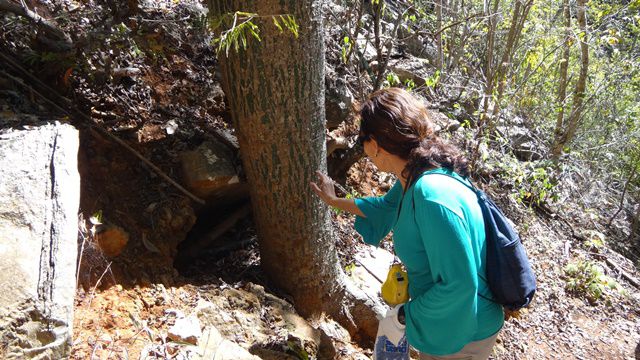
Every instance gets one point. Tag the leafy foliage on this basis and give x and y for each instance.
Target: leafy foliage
(533, 184)
(587, 278)
(234, 29)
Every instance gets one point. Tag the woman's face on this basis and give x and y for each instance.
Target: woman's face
(375, 153)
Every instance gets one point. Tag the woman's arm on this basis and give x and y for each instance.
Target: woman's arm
(326, 192)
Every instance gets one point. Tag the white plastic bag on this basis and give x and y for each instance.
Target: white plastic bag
(391, 340)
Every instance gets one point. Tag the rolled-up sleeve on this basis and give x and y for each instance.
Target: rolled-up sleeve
(380, 215)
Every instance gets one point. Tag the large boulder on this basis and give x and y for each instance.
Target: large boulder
(338, 99)
(523, 142)
(210, 172)
(39, 199)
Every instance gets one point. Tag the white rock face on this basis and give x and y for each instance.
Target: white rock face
(215, 346)
(39, 200)
(186, 329)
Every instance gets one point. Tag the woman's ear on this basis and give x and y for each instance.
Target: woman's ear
(375, 148)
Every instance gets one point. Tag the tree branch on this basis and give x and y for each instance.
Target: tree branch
(48, 27)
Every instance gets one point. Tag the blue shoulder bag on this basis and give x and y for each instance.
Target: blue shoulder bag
(509, 274)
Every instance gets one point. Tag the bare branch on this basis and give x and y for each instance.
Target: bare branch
(48, 27)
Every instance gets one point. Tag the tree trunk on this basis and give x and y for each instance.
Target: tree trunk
(440, 55)
(488, 72)
(520, 14)
(635, 228)
(556, 149)
(275, 90)
(573, 121)
(491, 15)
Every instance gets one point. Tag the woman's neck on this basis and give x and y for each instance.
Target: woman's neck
(397, 166)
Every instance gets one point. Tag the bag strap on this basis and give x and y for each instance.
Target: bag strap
(396, 259)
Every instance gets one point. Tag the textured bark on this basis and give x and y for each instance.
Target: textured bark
(635, 228)
(556, 148)
(569, 130)
(520, 15)
(275, 90)
(440, 55)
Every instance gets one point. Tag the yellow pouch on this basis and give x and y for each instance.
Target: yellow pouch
(395, 288)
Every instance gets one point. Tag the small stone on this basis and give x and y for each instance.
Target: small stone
(112, 241)
(186, 330)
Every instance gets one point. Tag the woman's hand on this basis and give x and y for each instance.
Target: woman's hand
(325, 188)
(327, 193)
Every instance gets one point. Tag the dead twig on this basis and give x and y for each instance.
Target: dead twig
(83, 232)
(369, 271)
(93, 292)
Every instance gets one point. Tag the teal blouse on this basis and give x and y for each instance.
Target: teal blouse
(439, 236)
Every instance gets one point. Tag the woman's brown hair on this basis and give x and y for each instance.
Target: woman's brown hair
(400, 124)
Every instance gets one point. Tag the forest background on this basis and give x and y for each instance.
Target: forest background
(542, 95)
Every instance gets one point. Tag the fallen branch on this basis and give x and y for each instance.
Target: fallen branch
(48, 27)
(66, 104)
(633, 281)
(196, 248)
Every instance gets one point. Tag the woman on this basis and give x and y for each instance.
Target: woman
(438, 229)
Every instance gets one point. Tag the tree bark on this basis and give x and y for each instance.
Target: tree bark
(275, 90)
(569, 131)
(556, 149)
(520, 14)
(440, 55)
(635, 228)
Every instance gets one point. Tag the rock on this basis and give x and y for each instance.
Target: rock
(371, 259)
(39, 200)
(525, 146)
(416, 45)
(338, 101)
(112, 240)
(442, 122)
(214, 346)
(363, 285)
(248, 317)
(186, 329)
(209, 170)
(365, 45)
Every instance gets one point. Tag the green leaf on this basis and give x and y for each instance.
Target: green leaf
(277, 24)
